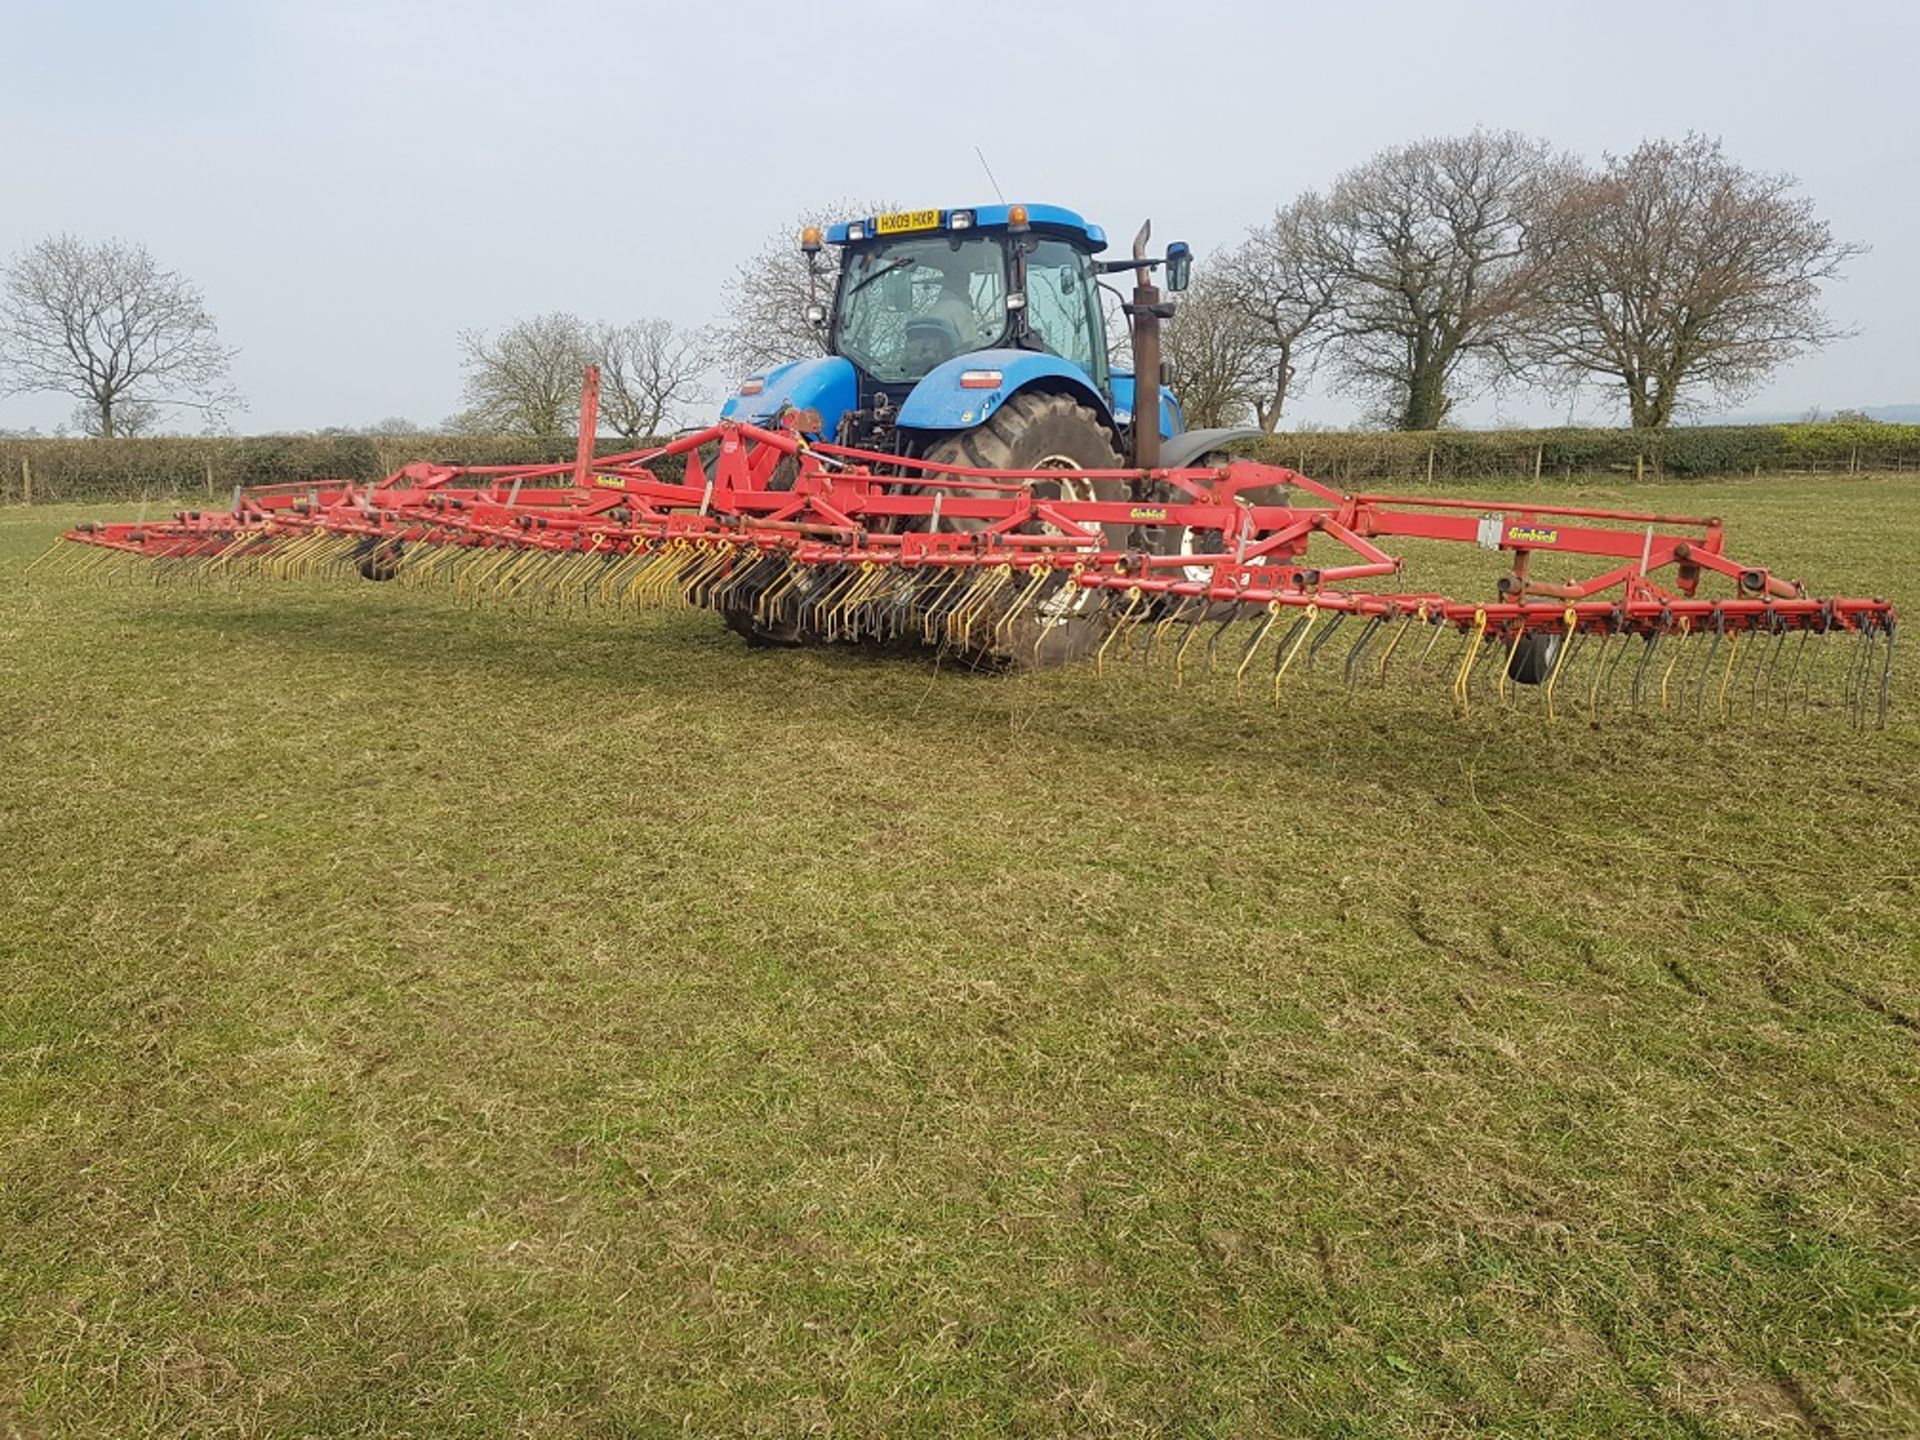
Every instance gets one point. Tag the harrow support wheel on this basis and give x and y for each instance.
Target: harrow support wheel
(377, 559)
(1035, 431)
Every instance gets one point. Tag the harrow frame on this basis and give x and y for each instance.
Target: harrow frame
(844, 543)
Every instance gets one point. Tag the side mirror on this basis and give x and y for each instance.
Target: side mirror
(1179, 265)
(817, 315)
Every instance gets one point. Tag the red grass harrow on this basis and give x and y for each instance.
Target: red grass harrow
(1240, 568)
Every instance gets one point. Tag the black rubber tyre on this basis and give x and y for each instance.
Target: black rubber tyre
(1176, 540)
(1532, 659)
(738, 615)
(377, 559)
(1045, 432)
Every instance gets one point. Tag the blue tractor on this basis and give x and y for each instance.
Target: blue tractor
(975, 337)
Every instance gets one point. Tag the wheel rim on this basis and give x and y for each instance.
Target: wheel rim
(1069, 599)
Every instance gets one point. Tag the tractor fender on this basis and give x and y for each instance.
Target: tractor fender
(941, 402)
(1172, 421)
(826, 384)
(1190, 447)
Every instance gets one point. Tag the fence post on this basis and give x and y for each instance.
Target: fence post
(1853, 461)
(209, 477)
(1539, 458)
(1639, 466)
(26, 481)
(1429, 462)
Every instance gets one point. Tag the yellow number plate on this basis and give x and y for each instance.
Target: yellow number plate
(903, 220)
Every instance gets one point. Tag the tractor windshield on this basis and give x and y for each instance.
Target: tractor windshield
(908, 305)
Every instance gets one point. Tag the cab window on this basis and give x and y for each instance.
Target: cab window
(1063, 306)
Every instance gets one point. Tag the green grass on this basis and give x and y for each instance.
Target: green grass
(416, 1020)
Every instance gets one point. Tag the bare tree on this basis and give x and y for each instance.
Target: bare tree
(527, 381)
(649, 369)
(1287, 298)
(131, 420)
(106, 325)
(1219, 367)
(765, 322)
(1426, 245)
(1673, 271)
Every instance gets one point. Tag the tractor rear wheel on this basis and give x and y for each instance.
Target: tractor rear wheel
(1044, 432)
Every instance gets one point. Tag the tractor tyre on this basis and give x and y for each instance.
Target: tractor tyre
(738, 613)
(1044, 432)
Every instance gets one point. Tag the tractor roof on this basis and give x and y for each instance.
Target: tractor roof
(1056, 218)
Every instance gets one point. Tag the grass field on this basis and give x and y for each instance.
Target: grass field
(416, 1020)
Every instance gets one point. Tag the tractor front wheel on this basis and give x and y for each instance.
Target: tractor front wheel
(1052, 433)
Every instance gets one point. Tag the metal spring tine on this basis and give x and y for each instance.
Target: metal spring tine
(1816, 662)
(1607, 654)
(1765, 646)
(1128, 618)
(1252, 646)
(1469, 658)
(1506, 667)
(1886, 676)
(942, 599)
(1698, 675)
(771, 601)
(1734, 649)
(1765, 667)
(1158, 630)
(1358, 649)
(1419, 676)
(1393, 644)
(1026, 595)
(1326, 634)
(1793, 670)
(1285, 655)
(1851, 643)
(1187, 639)
(1233, 618)
(1571, 645)
(1868, 644)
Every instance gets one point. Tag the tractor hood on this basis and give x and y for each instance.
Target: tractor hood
(827, 384)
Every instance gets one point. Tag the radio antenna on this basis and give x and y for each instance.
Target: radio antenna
(990, 180)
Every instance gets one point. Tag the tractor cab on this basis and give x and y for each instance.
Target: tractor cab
(919, 288)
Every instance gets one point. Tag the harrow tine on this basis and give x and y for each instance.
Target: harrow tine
(1763, 669)
(1726, 677)
(1320, 640)
(1464, 676)
(1247, 651)
(1600, 676)
(1128, 619)
(1886, 677)
(1305, 627)
(1393, 643)
(1420, 665)
(1356, 650)
(1704, 669)
(1568, 646)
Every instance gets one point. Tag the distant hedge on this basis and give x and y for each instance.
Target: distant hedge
(1687, 451)
(67, 470)
(212, 466)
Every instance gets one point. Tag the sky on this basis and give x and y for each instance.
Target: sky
(352, 183)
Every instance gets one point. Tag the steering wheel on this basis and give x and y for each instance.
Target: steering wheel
(931, 331)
